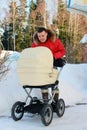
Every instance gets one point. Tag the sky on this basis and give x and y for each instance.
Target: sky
(51, 7)
(3, 7)
(73, 90)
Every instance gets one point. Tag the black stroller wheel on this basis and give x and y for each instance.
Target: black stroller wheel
(17, 111)
(60, 107)
(46, 114)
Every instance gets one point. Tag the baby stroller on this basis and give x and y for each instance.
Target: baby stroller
(35, 71)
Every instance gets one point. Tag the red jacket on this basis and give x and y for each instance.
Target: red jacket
(56, 47)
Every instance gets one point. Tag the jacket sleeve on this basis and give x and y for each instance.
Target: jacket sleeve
(60, 50)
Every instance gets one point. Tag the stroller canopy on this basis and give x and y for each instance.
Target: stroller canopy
(35, 67)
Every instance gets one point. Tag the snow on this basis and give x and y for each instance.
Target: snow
(73, 89)
(84, 39)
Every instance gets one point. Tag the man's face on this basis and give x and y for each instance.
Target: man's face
(42, 36)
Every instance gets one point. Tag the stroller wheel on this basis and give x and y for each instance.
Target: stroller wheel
(46, 114)
(60, 107)
(17, 111)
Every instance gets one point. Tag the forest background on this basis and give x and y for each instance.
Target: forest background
(22, 18)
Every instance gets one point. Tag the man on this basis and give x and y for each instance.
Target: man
(47, 38)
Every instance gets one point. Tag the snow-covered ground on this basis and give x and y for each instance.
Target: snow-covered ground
(73, 89)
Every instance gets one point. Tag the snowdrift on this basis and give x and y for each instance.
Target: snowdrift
(73, 86)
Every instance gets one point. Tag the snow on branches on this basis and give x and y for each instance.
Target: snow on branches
(3, 68)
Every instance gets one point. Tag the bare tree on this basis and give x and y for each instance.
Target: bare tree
(3, 68)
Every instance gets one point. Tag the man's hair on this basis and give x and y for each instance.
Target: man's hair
(41, 29)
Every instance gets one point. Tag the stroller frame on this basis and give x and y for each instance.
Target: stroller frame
(53, 86)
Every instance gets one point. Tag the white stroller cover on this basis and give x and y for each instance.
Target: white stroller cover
(35, 67)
